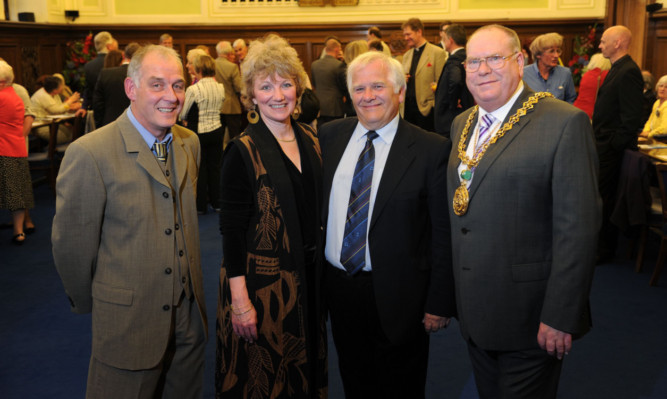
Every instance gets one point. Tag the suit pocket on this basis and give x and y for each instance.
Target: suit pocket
(530, 272)
(106, 293)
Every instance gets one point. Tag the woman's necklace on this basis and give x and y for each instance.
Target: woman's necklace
(461, 195)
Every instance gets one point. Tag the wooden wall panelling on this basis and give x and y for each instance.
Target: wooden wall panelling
(656, 44)
(307, 39)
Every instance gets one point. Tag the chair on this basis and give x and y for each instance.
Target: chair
(49, 160)
(657, 225)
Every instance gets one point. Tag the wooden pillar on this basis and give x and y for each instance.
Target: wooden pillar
(633, 15)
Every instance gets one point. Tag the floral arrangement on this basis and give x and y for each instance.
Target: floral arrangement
(78, 53)
(584, 48)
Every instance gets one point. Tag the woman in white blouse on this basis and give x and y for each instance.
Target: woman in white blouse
(201, 113)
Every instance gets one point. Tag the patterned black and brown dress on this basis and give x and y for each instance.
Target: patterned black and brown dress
(271, 235)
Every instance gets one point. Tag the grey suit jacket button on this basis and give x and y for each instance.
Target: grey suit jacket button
(166, 307)
(167, 270)
(464, 230)
(167, 231)
(165, 194)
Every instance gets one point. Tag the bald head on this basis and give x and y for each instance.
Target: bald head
(615, 42)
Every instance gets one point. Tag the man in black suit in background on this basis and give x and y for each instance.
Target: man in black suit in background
(616, 123)
(109, 98)
(328, 79)
(388, 256)
(451, 94)
(104, 43)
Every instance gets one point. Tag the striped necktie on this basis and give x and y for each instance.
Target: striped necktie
(484, 127)
(353, 252)
(161, 150)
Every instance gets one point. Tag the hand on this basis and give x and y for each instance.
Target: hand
(643, 134)
(80, 112)
(407, 77)
(245, 325)
(554, 341)
(433, 323)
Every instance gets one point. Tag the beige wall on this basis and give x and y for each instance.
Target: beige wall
(288, 11)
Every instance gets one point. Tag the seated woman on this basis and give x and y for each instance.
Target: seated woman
(46, 101)
(67, 91)
(590, 83)
(546, 74)
(15, 184)
(657, 122)
(205, 98)
(271, 335)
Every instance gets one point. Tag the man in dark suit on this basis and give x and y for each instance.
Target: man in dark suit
(616, 123)
(388, 265)
(109, 98)
(104, 43)
(452, 95)
(525, 213)
(328, 79)
(126, 240)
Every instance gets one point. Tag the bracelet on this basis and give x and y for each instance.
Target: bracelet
(242, 312)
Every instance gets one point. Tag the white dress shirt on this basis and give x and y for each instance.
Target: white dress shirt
(342, 184)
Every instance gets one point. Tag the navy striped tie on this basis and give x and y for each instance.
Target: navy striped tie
(353, 253)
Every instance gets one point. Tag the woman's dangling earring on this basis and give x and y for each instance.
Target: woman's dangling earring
(253, 116)
(297, 112)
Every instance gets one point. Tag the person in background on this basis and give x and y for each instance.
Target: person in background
(657, 122)
(190, 59)
(328, 79)
(227, 73)
(104, 43)
(126, 240)
(203, 101)
(649, 95)
(593, 77)
(15, 184)
(271, 333)
(46, 101)
(442, 32)
(422, 65)
(67, 91)
(525, 212)
(546, 74)
(240, 50)
(374, 34)
(451, 94)
(113, 59)
(616, 124)
(375, 45)
(352, 50)
(166, 40)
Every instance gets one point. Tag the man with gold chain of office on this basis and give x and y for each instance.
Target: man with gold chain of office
(524, 211)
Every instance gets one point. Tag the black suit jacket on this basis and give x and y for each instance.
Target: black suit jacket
(451, 95)
(91, 71)
(328, 79)
(109, 98)
(409, 237)
(618, 109)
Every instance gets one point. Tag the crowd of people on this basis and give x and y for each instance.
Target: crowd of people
(455, 180)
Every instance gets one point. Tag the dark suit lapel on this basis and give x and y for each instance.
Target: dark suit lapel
(499, 146)
(398, 161)
(134, 143)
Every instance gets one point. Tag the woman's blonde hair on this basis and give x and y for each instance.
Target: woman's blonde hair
(268, 56)
(598, 61)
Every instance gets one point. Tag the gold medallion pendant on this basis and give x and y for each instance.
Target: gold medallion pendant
(461, 199)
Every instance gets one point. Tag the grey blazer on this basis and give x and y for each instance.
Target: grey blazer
(524, 252)
(113, 239)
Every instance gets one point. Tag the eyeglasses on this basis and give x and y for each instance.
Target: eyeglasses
(556, 51)
(492, 61)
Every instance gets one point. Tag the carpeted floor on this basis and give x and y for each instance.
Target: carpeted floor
(45, 348)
